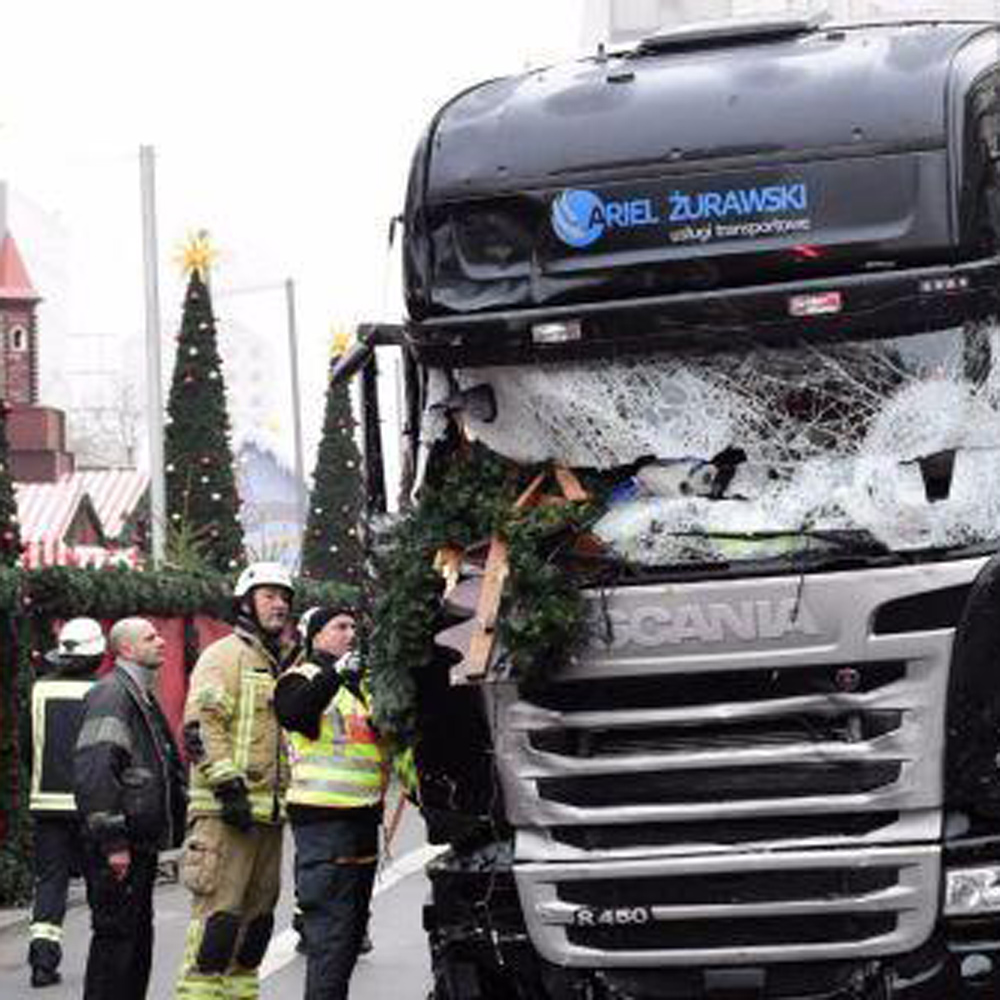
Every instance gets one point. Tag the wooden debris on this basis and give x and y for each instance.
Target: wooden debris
(475, 638)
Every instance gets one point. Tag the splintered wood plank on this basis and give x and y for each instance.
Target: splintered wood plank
(529, 494)
(571, 486)
(484, 594)
(484, 635)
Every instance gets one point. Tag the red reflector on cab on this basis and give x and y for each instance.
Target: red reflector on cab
(819, 304)
(806, 252)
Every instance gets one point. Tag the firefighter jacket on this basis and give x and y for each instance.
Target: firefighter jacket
(230, 729)
(128, 775)
(338, 760)
(56, 708)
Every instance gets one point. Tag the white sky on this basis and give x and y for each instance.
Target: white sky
(285, 129)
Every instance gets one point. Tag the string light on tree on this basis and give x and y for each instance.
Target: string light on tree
(330, 549)
(10, 540)
(197, 431)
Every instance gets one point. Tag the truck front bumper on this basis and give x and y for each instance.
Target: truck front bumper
(939, 971)
(489, 956)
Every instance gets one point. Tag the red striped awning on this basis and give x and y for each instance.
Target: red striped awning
(46, 512)
(115, 494)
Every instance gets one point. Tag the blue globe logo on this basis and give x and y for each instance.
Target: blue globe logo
(578, 217)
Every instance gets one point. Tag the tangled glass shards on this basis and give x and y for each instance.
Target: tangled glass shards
(898, 439)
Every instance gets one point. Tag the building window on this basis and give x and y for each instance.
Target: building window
(18, 338)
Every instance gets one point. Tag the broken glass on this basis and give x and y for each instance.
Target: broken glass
(896, 441)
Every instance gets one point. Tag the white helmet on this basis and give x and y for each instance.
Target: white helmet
(263, 574)
(81, 637)
(304, 620)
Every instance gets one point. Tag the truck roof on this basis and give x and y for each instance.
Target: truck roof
(872, 88)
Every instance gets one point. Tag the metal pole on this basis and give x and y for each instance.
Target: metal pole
(293, 357)
(154, 383)
(371, 434)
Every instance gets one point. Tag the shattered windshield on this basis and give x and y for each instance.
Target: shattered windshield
(892, 445)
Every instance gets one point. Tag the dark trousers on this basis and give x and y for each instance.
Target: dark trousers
(334, 896)
(58, 855)
(121, 947)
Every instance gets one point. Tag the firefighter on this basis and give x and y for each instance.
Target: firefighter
(239, 775)
(339, 775)
(56, 707)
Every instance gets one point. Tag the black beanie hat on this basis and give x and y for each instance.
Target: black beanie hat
(320, 617)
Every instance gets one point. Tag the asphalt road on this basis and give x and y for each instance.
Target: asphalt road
(397, 967)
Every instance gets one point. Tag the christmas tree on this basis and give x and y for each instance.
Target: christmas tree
(202, 502)
(10, 533)
(331, 549)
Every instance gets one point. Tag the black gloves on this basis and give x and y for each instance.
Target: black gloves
(236, 811)
(194, 746)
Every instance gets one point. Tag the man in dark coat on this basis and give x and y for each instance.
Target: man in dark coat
(130, 793)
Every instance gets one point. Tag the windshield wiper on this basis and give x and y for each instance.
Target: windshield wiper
(857, 541)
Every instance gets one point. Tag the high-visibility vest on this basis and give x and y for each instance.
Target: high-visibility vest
(346, 766)
(56, 710)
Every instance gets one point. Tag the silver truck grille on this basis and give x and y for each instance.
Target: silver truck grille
(675, 765)
(722, 910)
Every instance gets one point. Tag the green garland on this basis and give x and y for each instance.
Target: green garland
(544, 620)
(406, 610)
(543, 614)
(15, 835)
(61, 592)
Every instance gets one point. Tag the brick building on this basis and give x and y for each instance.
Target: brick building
(67, 516)
(37, 434)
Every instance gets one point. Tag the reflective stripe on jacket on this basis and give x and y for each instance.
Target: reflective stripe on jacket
(230, 705)
(346, 766)
(56, 709)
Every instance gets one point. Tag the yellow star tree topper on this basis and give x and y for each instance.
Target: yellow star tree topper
(197, 255)
(343, 338)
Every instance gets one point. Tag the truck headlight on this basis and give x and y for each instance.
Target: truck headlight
(972, 891)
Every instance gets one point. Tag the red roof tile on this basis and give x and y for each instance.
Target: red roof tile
(14, 280)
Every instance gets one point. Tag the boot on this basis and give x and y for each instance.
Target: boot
(40, 976)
